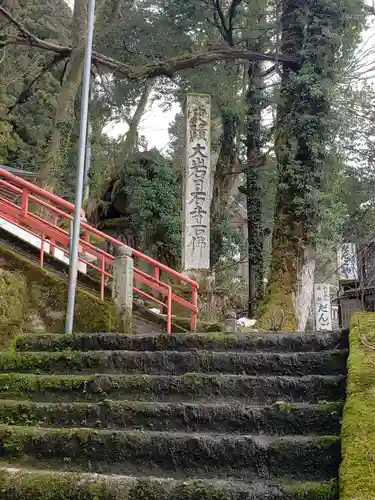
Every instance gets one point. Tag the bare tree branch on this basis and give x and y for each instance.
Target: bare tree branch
(167, 67)
(370, 9)
(27, 92)
(14, 21)
(117, 9)
(269, 71)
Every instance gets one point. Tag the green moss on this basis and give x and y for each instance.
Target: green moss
(44, 342)
(357, 472)
(170, 362)
(70, 486)
(106, 450)
(40, 387)
(48, 295)
(316, 491)
(200, 491)
(277, 312)
(173, 416)
(59, 487)
(202, 327)
(13, 305)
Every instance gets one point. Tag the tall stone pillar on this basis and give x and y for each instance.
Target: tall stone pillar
(197, 184)
(122, 287)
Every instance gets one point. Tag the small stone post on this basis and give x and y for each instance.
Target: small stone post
(231, 322)
(122, 289)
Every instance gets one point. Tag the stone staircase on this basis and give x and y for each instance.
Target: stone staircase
(177, 417)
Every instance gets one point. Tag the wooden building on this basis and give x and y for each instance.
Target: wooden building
(357, 289)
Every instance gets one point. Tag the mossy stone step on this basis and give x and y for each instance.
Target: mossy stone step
(275, 342)
(277, 419)
(18, 484)
(210, 456)
(188, 387)
(176, 363)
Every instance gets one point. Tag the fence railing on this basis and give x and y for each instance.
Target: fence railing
(49, 217)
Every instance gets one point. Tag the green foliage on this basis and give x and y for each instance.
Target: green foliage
(24, 132)
(307, 125)
(233, 241)
(357, 472)
(148, 196)
(333, 209)
(323, 34)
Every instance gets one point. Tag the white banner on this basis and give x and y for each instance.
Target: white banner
(347, 261)
(197, 184)
(322, 303)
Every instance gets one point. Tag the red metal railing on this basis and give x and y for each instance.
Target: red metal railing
(23, 207)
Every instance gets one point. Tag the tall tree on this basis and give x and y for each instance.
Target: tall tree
(317, 31)
(29, 81)
(254, 161)
(64, 116)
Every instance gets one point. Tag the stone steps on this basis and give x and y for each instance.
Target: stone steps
(180, 455)
(175, 363)
(181, 417)
(266, 342)
(188, 387)
(276, 419)
(20, 484)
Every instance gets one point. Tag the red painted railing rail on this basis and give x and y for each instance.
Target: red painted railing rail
(22, 203)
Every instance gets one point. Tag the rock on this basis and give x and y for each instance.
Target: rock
(34, 324)
(54, 315)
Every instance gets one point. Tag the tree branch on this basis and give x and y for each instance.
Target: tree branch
(27, 92)
(220, 13)
(117, 9)
(168, 67)
(25, 32)
(369, 9)
(130, 140)
(268, 71)
(232, 14)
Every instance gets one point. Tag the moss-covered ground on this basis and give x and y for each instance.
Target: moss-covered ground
(65, 486)
(25, 287)
(14, 304)
(357, 473)
(218, 342)
(175, 363)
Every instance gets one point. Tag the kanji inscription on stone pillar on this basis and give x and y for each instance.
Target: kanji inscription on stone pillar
(197, 180)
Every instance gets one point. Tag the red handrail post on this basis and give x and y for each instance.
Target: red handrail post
(157, 273)
(194, 314)
(52, 241)
(25, 201)
(102, 276)
(169, 310)
(157, 277)
(42, 251)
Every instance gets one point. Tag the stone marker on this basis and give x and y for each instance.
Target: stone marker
(122, 288)
(197, 184)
